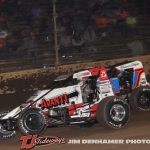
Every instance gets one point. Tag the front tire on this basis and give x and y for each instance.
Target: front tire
(32, 121)
(4, 133)
(113, 113)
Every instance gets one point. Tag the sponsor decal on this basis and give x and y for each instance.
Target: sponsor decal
(143, 81)
(55, 101)
(86, 74)
(105, 89)
(103, 74)
(103, 82)
(82, 74)
(30, 141)
(129, 65)
(59, 100)
(146, 89)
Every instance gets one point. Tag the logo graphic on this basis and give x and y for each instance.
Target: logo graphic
(62, 99)
(55, 102)
(30, 141)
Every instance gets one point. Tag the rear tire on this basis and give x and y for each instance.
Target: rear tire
(32, 121)
(140, 99)
(113, 113)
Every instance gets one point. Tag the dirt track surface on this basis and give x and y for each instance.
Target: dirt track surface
(137, 128)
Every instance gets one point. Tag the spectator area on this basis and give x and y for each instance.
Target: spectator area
(86, 31)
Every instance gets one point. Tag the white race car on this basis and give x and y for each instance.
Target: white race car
(90, 95)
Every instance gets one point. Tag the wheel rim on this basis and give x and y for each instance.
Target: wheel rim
(33, 121)
(144, 100)
(117, 112)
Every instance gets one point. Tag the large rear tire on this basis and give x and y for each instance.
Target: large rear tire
(140, 99)
(4, 133)
(113, 113)
(32, 121)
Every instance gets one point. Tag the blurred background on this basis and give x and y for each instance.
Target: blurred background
(45, 33)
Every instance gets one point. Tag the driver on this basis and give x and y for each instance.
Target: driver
(86, 90)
